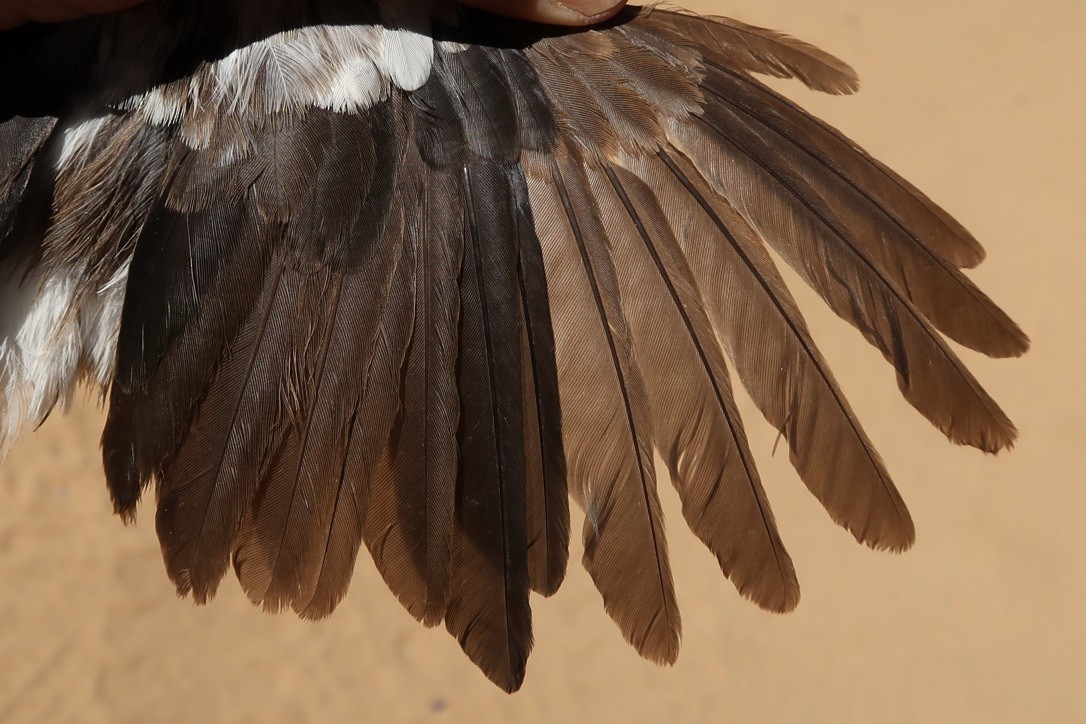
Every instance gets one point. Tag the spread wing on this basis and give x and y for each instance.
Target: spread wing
(355, 283)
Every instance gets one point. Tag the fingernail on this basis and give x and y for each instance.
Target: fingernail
(577, 12)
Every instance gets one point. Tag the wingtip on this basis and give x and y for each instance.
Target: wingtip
(662, 651)
(897, 539)
(783, 600)
(510, 683)
(991, 439)
(507, 676)
(318, 608)
(847, 83)
(125, 511)
(1016, 343)
(124, 491)
(433, 616)
(188, 591)
(551, 583)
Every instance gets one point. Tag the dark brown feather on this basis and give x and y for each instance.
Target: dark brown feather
(206, 488)
(280, 553)
(488, 609)
(21, 139)
(185, 305)
(368, 392)
(272, 551)
(387, 321)
(409, 525)
(269, 368)
(547, 497)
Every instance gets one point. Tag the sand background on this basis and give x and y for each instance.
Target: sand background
(981, 103)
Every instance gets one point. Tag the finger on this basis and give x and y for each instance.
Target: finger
(17, 12)
(554, 12)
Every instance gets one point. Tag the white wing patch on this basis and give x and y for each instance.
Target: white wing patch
(406, 58)
(341, 68)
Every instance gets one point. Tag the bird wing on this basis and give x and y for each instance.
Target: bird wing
(348, 280)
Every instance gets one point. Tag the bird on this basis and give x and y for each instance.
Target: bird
(353, 274)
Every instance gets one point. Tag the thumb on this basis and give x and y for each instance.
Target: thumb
(555, 12)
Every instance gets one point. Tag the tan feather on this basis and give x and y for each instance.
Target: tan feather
(698, 428)
(606, 415)
(776, 359)
(949, 300)
(894, 196)
(791, 217)
(753, 49)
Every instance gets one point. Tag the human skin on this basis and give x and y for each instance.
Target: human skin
(556, 12)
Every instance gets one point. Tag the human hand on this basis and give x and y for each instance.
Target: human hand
(17, 12)
(556, 12)
(553, 12)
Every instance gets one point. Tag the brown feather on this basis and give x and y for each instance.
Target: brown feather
(488, 610)
(412, 505)
(764, 333)
(936, 287)
(929, 225)
(795, 220)
(21, 138)
(274, 543)
(606, 416)
(546, 494)
(206, 488)
(386, 326)
(583, 69)
(698, 428)
(268, 490)
(753, 49)
(280, 554)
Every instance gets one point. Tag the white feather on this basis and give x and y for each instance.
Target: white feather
(77, 141)
(50, 344)
(39, 348)
(48, 341)
(341, 68)
(100, 325)
(16, 297)
(355, 81)
(406, 58)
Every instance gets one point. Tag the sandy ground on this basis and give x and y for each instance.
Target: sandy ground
(979, 102)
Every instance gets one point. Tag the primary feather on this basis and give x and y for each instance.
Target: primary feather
(350, 275)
